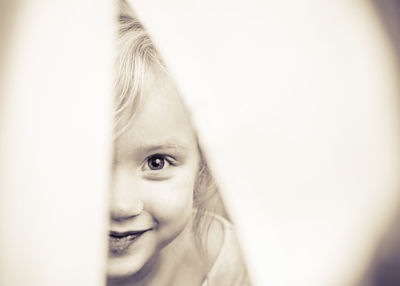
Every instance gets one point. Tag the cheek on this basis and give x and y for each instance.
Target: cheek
(170, 201)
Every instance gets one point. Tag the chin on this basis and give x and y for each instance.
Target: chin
(120, 267)
(127, 265)
(132, 266)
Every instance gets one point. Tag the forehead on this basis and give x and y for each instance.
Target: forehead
(160, 118)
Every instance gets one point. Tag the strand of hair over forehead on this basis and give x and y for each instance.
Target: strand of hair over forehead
(136, 54)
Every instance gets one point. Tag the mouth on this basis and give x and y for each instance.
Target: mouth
(119, 242)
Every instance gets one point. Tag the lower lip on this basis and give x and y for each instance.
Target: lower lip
(119, 245)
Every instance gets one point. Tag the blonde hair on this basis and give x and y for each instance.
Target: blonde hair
(136, 54)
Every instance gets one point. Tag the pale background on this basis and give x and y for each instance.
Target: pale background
(297, 106)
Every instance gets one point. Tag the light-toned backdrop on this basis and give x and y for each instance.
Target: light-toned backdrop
(297, 103)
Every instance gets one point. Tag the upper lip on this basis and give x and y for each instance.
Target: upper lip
(118, 234)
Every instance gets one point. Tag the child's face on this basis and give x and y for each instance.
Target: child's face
(155, 166)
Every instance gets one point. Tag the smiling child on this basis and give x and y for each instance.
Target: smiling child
(164, 229)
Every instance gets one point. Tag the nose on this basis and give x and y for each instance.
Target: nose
(125, 196)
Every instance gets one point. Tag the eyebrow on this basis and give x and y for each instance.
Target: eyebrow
(164, 146)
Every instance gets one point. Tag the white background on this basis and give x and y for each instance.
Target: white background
(297, 103)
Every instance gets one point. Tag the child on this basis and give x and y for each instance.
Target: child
(164, 229)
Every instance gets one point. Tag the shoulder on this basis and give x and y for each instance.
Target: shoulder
(227, 267)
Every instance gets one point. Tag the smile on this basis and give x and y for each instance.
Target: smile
(119, 242)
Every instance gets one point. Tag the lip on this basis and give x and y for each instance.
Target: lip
(118, 234)
(119, 242)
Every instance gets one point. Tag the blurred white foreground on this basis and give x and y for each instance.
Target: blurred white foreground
(55, 118)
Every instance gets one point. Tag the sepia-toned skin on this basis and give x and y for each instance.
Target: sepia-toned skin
(156, 161)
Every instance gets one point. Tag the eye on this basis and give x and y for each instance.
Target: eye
(158, 162)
